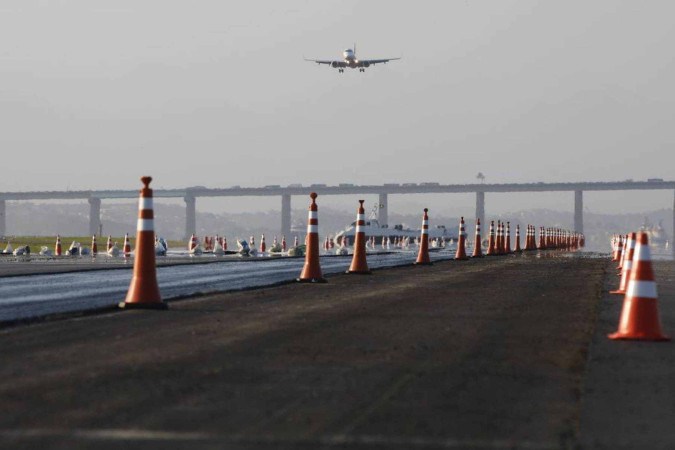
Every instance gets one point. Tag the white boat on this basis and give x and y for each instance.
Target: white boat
(657, 235)
(374, 228)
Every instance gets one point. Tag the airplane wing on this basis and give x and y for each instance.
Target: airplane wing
(329, 62)
(376, 61)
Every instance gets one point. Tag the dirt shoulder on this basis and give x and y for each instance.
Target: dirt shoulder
(478, 354)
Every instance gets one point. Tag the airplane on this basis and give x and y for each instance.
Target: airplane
(349, 60)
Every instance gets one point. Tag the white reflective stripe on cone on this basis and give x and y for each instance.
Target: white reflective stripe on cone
(642, 289)
(360, 217)
(313, 214)
(145, 225)
(642, 253)
(144, 203)
(312, 229)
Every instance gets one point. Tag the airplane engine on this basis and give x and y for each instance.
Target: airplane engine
(335, 64)
(366, 64)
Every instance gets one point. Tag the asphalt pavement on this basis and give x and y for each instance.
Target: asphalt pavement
(504, 352)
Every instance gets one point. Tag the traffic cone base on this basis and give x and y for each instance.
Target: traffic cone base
(124, 305)
(311, 280)
(642, 321)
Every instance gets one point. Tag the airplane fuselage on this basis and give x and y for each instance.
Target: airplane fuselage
(350, 59)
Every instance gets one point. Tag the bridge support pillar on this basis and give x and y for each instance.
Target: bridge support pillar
(190, 216)
(94, 215)
(480, 209)
(286, 215)
(3, 218)
(383, 214)
(579, 211)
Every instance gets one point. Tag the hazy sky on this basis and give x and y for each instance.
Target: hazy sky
(94, 94)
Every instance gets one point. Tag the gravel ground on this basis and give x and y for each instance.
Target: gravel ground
(480, 354)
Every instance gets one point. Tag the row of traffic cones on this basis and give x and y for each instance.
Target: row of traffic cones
(499, 243)
(640, 313)
(499, 239)
(144, 289)
(110, 246)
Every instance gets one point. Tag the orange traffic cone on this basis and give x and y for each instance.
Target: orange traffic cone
(535, 243)
(224, 244)
(263, 246)
(499, 238)
(144, 289)
(517, 244)
(283, 243)
(109, 244)
(507, 239)
(311, 272)
(193, 243)
(58, 251)
(498, 242)
(528, 238)
(491, 240)
(618, 247)
(127, 245)
(622, 253)
(423, 254)
(359, 264)
(461, 245)
(94, 247)
(534, 237)
(640, 312)
(626, 264)
(477, 244)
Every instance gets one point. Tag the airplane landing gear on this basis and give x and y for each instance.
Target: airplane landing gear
(362, 70)
(341, 70)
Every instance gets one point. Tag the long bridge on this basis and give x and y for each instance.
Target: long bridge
(190, 195)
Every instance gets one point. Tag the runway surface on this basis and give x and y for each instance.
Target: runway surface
(498, 353)
(23, 297)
